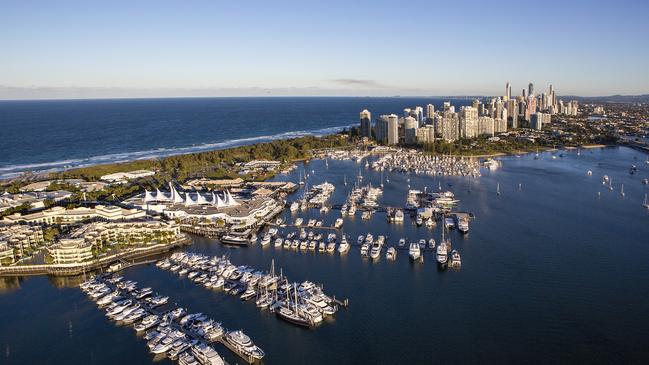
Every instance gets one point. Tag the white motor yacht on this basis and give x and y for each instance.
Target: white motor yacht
(442, 255)
(206, 355)
(414, 251)
(344, 245)
(455, 256)
(375, 252)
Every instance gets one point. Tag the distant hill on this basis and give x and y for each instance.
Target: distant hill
(644, 98)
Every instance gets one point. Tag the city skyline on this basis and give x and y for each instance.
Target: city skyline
(162, 49)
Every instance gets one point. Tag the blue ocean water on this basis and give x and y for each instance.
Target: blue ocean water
(48, 135)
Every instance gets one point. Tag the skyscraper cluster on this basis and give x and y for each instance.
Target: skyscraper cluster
(486, 117)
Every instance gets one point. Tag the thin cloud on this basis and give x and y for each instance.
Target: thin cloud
(360, 82)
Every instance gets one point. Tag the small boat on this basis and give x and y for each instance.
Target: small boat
(431, 243)
(449, 223)
(344, 246)
(365, 247)
(419, 220)
(402, 242)
(234, 240)
(391, 254)
(622, 190)
(331, 247)
(455, 257)
(442, 255)
(295, 206)
(414, 251)
(645, 203)
(375, 251)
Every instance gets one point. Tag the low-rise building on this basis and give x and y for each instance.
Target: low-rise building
(60, 215)
(122, 177)
(71, 251)
(147, 232)
(20, 238)
(6, 253)
(35, 199)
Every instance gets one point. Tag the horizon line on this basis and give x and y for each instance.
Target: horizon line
(304, 96)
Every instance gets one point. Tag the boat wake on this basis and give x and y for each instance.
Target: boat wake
(9, 171)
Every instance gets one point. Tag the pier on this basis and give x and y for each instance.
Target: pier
(175, 325)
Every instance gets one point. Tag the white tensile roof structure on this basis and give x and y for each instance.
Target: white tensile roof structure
(176, 198)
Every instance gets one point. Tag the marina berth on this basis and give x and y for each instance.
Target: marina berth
(412, 161)
(247, 283)
(177, 335)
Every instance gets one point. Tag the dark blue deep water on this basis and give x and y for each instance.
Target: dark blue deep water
(551, 274)
(57, 134)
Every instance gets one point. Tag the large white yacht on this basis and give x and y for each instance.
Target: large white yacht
(242, 342)
(206, 355)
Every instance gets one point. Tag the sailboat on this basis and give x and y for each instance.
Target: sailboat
(498, 188)
(381, 178)
(622, 190)
(645, 203)
(345, 180)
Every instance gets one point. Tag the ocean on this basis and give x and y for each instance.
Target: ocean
(552, 273)
(50, 135)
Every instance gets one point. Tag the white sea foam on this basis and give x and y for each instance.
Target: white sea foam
(10, 171)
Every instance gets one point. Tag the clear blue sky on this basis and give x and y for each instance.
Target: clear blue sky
(126, 48)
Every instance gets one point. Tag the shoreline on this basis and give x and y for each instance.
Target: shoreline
(100, 263)
(540, 149)
(37, 176)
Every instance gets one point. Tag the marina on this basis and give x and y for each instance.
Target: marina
(308, 305)
(178, 334)
(543, 270)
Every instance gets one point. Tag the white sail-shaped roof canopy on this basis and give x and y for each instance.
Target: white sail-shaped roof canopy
(229, 199)
(175, 196)
(160, 196)
(200, 199)
(148, 197)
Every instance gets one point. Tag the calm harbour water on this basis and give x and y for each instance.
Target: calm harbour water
(550, 274)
